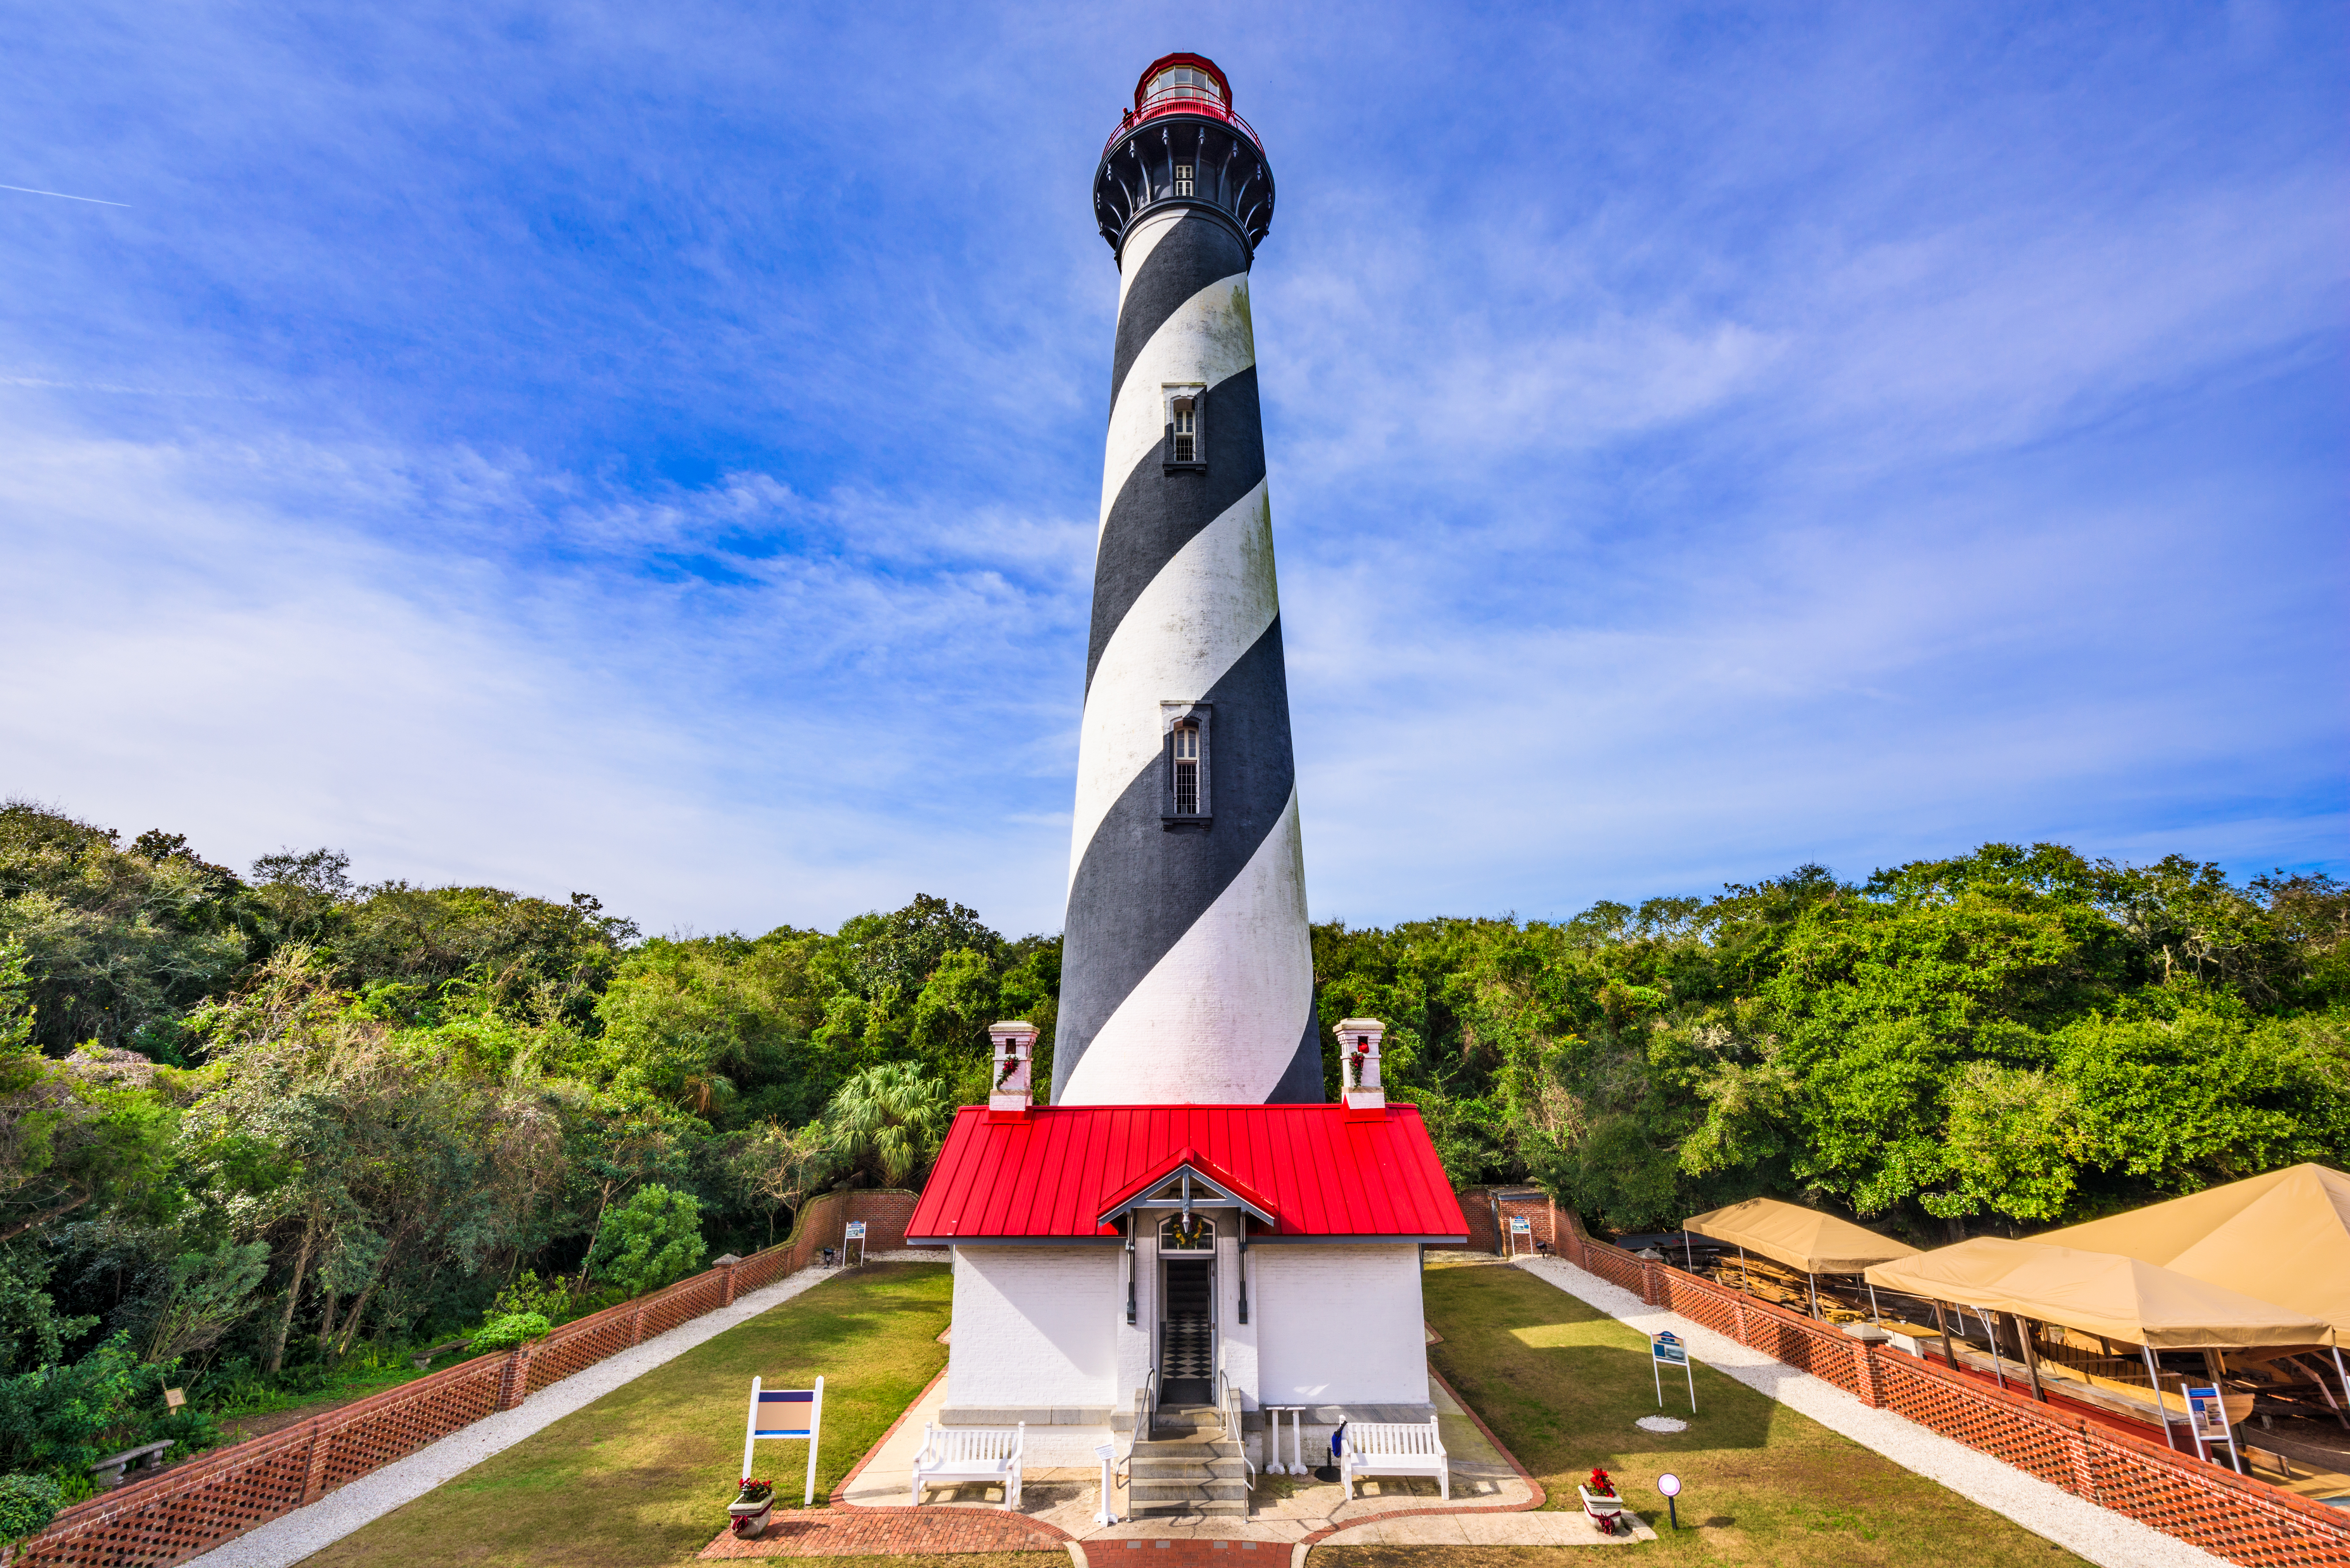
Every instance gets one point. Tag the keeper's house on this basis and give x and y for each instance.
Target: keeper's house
(1105, 1255)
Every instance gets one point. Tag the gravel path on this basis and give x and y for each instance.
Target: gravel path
(2101, 1535)
(292, 1537)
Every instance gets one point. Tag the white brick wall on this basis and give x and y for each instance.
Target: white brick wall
(1035, 1326)
(1337, 1325)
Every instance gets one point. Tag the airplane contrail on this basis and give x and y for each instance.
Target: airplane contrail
(30, 191)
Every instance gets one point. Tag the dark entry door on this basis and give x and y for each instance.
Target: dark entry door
(1187, 1340)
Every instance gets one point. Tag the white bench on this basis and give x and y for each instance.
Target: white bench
(953, 1454)
(1393, 1448)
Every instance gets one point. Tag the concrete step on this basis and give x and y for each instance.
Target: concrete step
(1214, 1508)
(1145, 1490)
(1188, 1473)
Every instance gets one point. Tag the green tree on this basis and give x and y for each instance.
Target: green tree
(653, 1240)
(888, 1121)
(118, 945)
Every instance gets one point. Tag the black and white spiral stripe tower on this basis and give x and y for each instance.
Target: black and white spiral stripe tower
(1186, 976)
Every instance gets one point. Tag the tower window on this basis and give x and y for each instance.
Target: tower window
(1184, 801)
(1182, 178)
(1186, 442)
(1187, 770)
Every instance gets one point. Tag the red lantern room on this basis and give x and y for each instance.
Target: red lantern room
(1183, 142)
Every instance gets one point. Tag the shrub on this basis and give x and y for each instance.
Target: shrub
(27, 1503)
(63, 1418)
(505, 1332)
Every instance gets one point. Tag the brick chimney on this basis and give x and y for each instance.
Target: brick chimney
(1359, 1054)
(1015, 1046)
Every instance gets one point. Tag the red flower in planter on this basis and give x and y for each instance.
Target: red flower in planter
(1599, 1484)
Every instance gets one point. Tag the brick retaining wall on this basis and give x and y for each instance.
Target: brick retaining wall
(193, 1507)
(1488, 1210)
(2229, 1515)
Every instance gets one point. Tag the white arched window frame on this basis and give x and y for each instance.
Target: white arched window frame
(1186, 426)
(1187, 738)
(1202, 1238)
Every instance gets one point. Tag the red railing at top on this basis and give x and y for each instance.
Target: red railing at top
(1181, 100)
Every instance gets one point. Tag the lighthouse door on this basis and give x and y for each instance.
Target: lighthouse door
(1187, 1337)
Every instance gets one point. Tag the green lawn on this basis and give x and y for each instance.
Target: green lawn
(643, 1475)
(1561, 1383)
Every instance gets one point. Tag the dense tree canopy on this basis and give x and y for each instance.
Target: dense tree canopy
(253, 1128)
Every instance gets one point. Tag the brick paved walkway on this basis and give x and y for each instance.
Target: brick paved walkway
(892, 1532)
(1192, 1553)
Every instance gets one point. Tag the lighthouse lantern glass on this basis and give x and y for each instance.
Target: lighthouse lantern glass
(1185, 81)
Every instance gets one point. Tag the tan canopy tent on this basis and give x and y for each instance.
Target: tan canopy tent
(2102, 1293)
(2099, 1293)
(1800, 1238)
(2283, 1238)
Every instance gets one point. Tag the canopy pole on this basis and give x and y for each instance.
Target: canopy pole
(1816, 1293)
(2345, 1377)
(1873, 1316)
(2030, 1361)
(1688, 1250)
(1991, 1332)
(1943, 1324)
(2155, 1376)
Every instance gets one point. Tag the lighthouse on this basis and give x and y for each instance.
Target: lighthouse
(1187, 974)
(1191, 1233)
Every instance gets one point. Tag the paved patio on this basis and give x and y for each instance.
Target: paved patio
(1058, 1508)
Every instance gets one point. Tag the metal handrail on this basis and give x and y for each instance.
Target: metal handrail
(1174, 100)
(1146, 1415)
(1228, 1401)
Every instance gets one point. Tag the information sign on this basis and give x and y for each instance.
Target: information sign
(1665, 1350)
(2207, 1417)
(856, 1231)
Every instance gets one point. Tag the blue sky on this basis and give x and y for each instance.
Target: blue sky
(653, 450)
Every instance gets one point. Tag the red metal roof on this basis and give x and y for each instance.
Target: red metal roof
(1321, 1170)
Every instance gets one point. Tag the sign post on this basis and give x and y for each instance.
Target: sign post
(792, 1414)
(2207, 1417)
(1108, 1454)
(1520, 1226)
(1665, 1350)
(855, 1232)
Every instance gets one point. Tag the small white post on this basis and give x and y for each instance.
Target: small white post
(815, 1430)
(1108, 1454)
